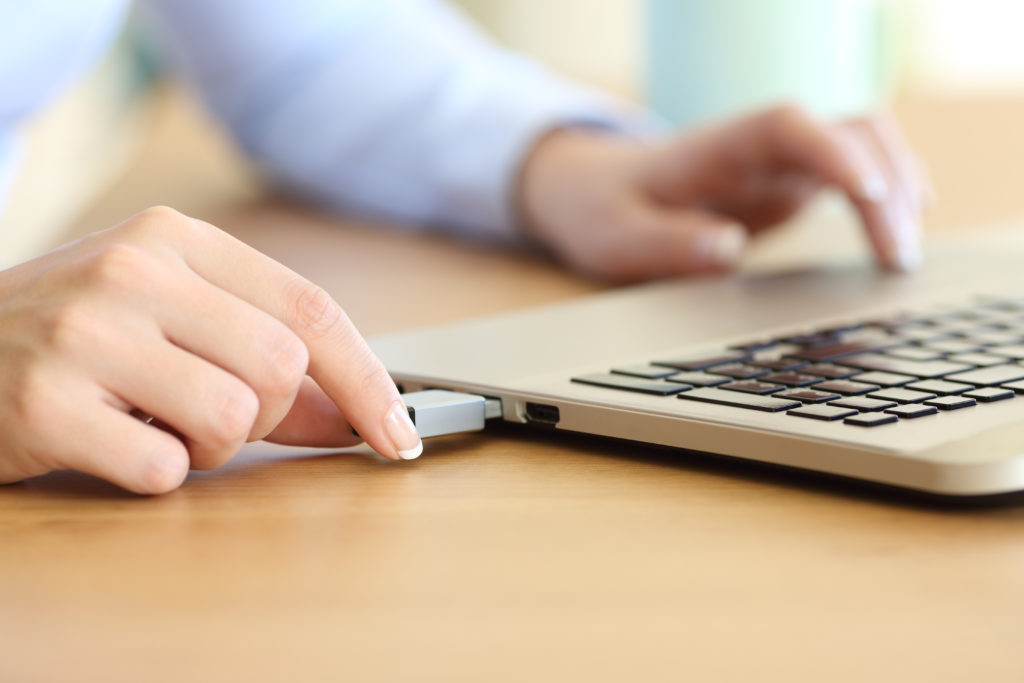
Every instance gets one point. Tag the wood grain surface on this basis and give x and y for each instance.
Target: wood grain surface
(512, 555)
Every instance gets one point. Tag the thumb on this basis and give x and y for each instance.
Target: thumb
(313, 420)
(670, 241)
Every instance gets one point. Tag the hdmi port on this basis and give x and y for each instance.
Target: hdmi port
(542, 414)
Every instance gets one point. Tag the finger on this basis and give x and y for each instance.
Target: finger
(240, 338)
(666, 241)
(340, 360)
(793, 139)
(770, 201)
(212, 409)
(880, 136)
(112, 445)
(895, 154)
(893, 235)
(314, 420)
(718, 163)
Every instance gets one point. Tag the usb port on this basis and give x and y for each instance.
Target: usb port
(542, 413)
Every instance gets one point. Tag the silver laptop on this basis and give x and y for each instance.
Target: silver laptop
(912, 381)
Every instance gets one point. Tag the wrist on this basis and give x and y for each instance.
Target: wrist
(568, 175)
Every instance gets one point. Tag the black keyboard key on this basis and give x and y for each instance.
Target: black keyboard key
(930, 368)
(750, 347)
(779, 364)
(1017, 387)
(844, 329)
(940, 386)
(737, 399)
(831, 352)
(863, 404)
(791, 379)
(828, 371)
(646, 371)
(698, 379)
(807, 395)
(740, 371)
(820, 412)
(703, 363)
(997, 374)
(871, 419)
(912, 410)
(626, 383)
(842, 386)
(811, 339)
(990, 394)
(951, 402)
(885, 379)
(902, 395)
(752, 386)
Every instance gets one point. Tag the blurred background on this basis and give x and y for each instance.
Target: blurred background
(948, 45)
(691, 60)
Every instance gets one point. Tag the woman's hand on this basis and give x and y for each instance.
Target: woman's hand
(623, 210)
(172, 318)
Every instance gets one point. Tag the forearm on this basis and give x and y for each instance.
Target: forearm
(399, 110)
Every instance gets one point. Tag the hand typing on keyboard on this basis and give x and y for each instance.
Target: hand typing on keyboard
(629, 211)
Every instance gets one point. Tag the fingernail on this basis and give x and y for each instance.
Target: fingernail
(872, 188)
(726, 244)
(907, 242)
(402, 432)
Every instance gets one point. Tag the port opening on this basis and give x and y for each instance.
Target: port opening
(541, 413)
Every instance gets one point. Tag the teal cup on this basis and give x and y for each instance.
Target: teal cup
(708, 59)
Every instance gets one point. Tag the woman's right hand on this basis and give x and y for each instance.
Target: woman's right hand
(169, 317)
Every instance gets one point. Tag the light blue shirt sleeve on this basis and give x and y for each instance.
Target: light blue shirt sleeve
(396, 109)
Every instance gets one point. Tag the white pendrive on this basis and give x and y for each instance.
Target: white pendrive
(436, 412)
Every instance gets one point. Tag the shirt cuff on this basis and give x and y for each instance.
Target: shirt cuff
(479, 180)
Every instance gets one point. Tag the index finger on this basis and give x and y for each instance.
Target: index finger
(790, 137)
(340, 360)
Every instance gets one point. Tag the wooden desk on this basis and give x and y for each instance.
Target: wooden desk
(507, 556)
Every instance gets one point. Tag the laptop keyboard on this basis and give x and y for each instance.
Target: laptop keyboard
(868, 375)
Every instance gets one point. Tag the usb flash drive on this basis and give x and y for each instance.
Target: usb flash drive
(436, 412)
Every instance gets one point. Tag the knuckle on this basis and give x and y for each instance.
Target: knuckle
(119, 266)
(68, 326)
(373, 377)
(159, 223)
(787, 116)
(159, 216)
(158, 219)
(317, 315)
(234, 415)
